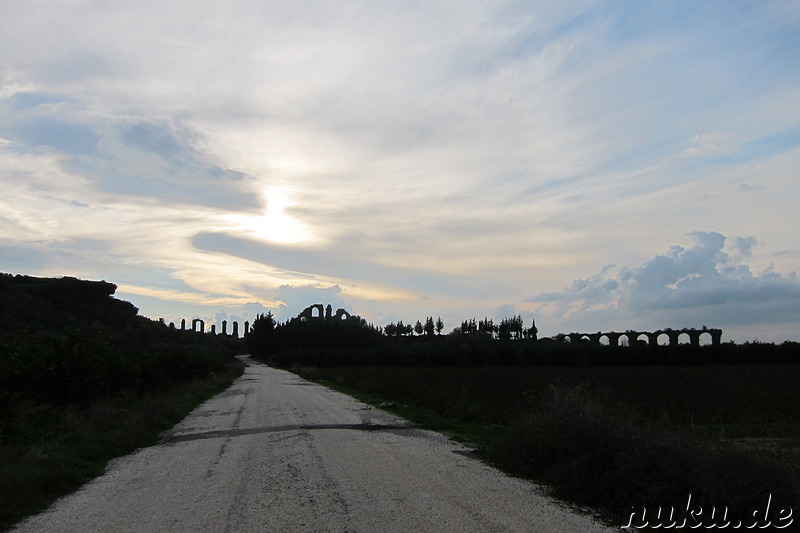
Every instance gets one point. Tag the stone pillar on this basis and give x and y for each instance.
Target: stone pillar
(694, 337)
(213, 329)
(224, 327)
(235, 329)
(183, 324)
(246, 328)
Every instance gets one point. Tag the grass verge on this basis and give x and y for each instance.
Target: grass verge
(472, 433)
(48, 451)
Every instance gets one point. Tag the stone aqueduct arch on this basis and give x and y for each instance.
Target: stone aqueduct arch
(632, 337)
(323, 313)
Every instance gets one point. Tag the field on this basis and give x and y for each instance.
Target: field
(611, 437)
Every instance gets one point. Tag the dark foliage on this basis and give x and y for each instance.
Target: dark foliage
(593, 452)
(305, 345)
(302, 340)
(68, 341)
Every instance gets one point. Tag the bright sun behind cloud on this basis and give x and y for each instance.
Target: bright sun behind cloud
(276, 225)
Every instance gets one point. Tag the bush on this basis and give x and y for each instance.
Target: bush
(592, 452)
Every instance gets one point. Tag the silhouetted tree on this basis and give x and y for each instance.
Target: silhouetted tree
(439, 325)
(261, 339)
(469, 327)
(533, 332)
(429, 326)
(418, 328)
(486, 327)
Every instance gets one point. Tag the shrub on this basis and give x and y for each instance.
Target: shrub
(593, 452)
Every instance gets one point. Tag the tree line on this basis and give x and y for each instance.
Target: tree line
(507, 329)
(267, 335)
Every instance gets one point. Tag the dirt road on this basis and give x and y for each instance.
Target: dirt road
(277, 453)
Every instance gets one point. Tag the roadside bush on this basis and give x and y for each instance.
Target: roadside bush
(593, 452)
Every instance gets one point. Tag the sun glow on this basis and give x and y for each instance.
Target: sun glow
(276, 225)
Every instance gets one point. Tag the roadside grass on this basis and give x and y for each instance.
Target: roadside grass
(48, 451)
(610, 438)
(471, 433)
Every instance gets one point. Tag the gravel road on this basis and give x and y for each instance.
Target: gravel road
(277, 453)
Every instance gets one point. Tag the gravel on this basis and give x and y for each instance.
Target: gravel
(277, 453)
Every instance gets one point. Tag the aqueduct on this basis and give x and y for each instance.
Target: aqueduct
(319, 312)
(648, 337)
(312, 312)
(199, 326)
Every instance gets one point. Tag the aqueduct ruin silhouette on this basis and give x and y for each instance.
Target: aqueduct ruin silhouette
(312, 312)
(648, 337)
(319, 312)
(630, 337)
(199, 326)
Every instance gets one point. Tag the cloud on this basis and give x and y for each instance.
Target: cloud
(327, 263)
(683, 286)
(154, 159)
(469, 153)
(711, 144)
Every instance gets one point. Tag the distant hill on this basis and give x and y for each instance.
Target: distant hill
(65, 340)
(31, 303)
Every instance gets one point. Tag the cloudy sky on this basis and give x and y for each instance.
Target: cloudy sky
(597, 165)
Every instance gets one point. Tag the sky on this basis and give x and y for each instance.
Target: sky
(592, 165)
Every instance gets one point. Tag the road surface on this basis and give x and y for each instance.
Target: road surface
(277, 453)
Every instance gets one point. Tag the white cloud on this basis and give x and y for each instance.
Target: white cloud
(680, 288)
(711, 144)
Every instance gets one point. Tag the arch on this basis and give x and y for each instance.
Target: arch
(625, 339)
(198, 323)
(704, 338)
(341, 314)
(604, 340)
(642, 338)
(662, 339)
(585, 339)
(683, 337)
